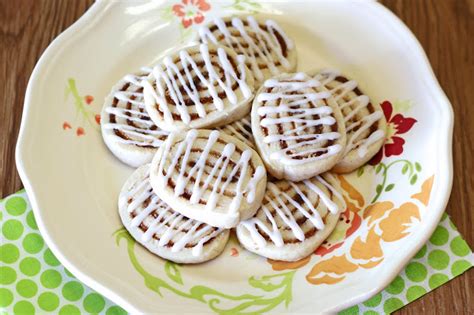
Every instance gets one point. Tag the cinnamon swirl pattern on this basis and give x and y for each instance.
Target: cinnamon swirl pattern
(198, 87)
(267, 48)
(162, 230)
(126, 126)
(298, 128)
(294, 219)
(209, 176)
(240, 129)
(365, 122)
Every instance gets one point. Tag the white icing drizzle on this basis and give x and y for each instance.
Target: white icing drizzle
(240, 130)
(215, 177)
(258, 45)
(142, 135)
(169, 225)
(355, 105)
(280, 201)
(169, 79)
(294, 116)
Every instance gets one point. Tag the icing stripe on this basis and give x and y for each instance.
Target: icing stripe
(127, 116)
(224, 165)
(355, 109)
(261, 43)
(288, 109)
(241, 129)
(276, 206)
(167, 225)
(199, 74)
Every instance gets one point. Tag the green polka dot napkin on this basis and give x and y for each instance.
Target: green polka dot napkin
(445, 256)
(33, 281)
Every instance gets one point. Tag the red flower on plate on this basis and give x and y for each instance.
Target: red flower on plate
(234, 252)
(89, 99)
(97, 119)
(66, 125)
(191, 11)
(80, 131)
(396, 125)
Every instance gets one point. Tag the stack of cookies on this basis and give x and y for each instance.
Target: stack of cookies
(225, 134)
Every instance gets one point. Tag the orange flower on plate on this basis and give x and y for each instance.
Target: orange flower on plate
(368, 250)
(377, 210)
(351, 192)
(385, 223)
(397, 224)
(331, 271)
(350, 220)
(424, 195)
(278, 265)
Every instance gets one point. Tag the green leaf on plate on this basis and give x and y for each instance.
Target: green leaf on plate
(277, 288)
(413, 179)
(239, 7)
(254, 4)
(405, 169)
(263, 284)
(418, 166)
(360, 171)
(378, 168)
(173, 272)
(389, 187)
(378, 189)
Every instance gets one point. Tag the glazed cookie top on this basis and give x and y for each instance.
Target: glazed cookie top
(209, 176)
(157, 223)
(298, 129)
(293, 212)
(197, 87)
(364, 121)
(126, 125)
(269, 51)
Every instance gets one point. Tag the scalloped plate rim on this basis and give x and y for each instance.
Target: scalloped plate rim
(438, 200)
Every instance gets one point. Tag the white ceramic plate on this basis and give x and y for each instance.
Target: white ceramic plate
(73, 180)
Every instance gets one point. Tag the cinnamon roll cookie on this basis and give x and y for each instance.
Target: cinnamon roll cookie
(241, 129)
(162, 230)
(127, 129)
(268, 49)
(294, 219)
(197, 87)
(209, 176)
(365, 122)
(298, 128)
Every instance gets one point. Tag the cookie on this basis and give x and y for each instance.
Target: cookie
(209, 176)
(298, 128)
(365, 122)
(162, 230)
(197, 87)
(126, 127)
(269, 51)
(240, 129)
(294, 219)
